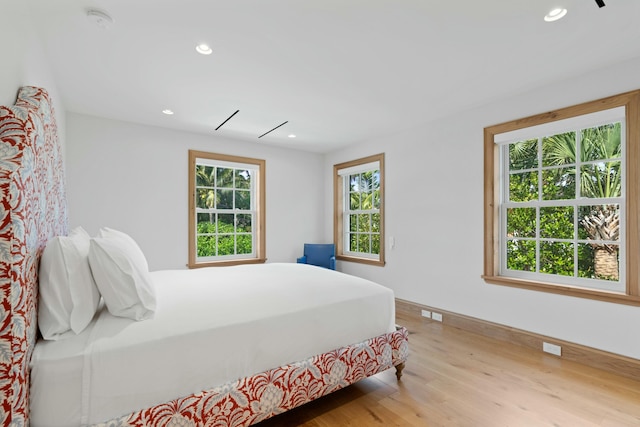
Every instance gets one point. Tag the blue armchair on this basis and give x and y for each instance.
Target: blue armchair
(322, 255)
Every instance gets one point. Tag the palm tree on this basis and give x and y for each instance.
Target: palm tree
(600, 177)
(365, 196)
(206, 177)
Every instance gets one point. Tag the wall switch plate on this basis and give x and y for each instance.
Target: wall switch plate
(551, 348)
(426, 313)
(436, 316)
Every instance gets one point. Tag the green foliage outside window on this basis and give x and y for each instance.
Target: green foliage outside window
(221, 240)
(364, 216)
(223, 192)
(600, 177)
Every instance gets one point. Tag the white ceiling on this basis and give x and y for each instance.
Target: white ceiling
(339, 71)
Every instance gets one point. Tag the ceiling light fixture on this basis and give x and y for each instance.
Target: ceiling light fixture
(555, 14)
(100, 18)
(291, 136)
(204, 49)
(269, 131)
(167, 112)
(228, 118)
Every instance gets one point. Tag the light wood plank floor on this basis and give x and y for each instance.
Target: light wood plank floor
(456, 378)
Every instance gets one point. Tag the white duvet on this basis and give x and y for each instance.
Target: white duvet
(212, 326)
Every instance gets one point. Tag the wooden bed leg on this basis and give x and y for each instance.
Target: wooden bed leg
(399, 369)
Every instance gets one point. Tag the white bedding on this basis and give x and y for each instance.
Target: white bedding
(212, 326)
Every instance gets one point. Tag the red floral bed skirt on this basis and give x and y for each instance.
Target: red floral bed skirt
(256, 398)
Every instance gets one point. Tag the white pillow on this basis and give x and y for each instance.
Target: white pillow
(122, 275)
(134, 250)
(69, 297)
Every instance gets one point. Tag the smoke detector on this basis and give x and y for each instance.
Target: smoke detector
(99, 18)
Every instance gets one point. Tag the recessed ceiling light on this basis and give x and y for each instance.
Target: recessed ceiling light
(555, 14)
(291, 136)
(204, 49)
(167, 112)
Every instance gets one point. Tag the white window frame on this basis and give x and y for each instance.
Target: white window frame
(629, 291)
(539, 132)
(256, 168)
(342, 207)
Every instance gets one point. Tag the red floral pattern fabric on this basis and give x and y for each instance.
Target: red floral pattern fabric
(32, 210)
(256, 398)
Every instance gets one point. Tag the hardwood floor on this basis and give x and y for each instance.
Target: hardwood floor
(457, 378)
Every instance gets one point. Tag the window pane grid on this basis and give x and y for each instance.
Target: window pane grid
(362, 213)
(562, 198)
(225, 213)
(358, 227)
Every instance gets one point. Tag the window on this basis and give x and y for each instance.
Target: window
(226, 209)
(561, 194)
(359, 210)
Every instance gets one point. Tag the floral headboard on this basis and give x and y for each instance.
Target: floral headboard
(32, 210)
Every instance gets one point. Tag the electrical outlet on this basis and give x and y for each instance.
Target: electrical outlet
(426, 313)
(551, 348)
(436, 316)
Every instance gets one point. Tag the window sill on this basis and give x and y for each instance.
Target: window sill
(594, 294)
(226, 263)
(360, 260)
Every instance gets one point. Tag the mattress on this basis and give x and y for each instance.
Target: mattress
(212, 326)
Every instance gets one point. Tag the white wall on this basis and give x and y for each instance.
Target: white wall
(22, 60)
(135, 178)
(435, 213)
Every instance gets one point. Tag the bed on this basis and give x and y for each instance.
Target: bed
(243, 351)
